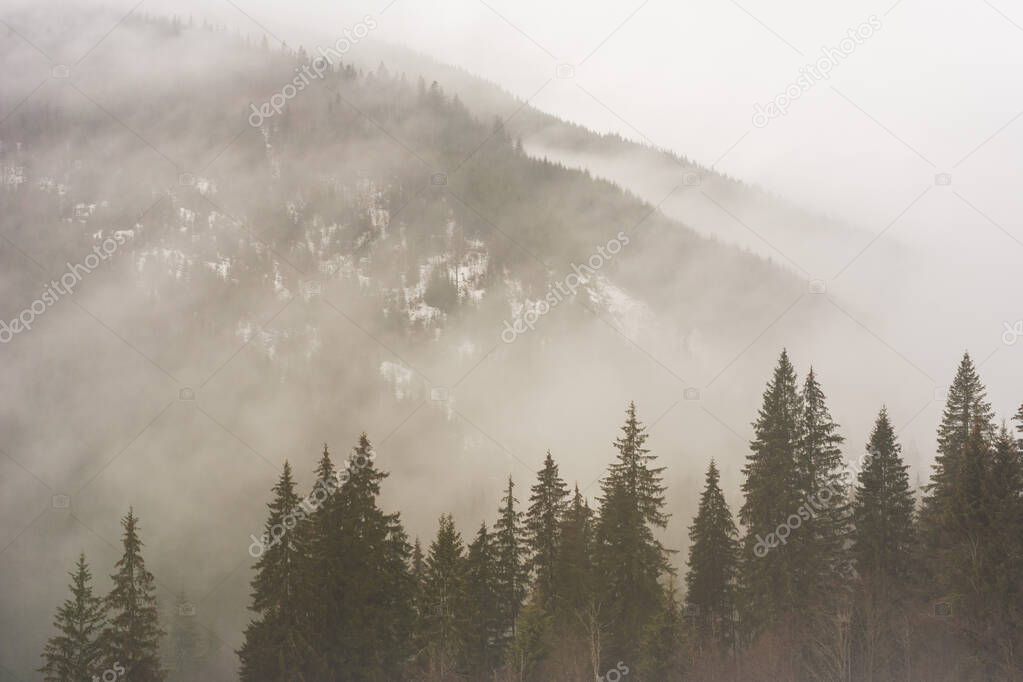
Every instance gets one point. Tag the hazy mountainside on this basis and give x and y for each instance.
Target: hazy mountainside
(711, 202)
(239, 293)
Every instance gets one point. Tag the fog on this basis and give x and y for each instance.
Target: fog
(826, 231)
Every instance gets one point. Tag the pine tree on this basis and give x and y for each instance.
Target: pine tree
(883, 512)
(883, 541)
(662, 656)
(442, 591)
(713, 562)
(629, 559)
(482, 636)
(952, 515)
(1004, 498)
(75, 655)
(965, 407)
(276, 648)
(375, 617)
(512, 572)
(184, 636)
(772, 493)
(547, 503)
(819, 544)
(573, 575)
(132, 637)
(320, 586)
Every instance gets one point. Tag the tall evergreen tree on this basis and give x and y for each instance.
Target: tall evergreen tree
(820, 542)
(276, 648)
(512, 572)
(375, 618)
(444, 580)
(132, 637)
(772, 493)
(573, 575)
(547, 502)
(75, 654)
(1003, 494)
(320, 585)
(713, 565)
(482, 637)
(965, 407)
(186, 658)
(629, 559)
(882, 549)
(662, 656)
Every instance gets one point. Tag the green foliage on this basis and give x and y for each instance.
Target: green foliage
(629, 560)
(76, 653)
(713, 565)
(547, 502)
(132, 637)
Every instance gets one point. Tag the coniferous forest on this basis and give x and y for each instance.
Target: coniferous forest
(833, 568)
(327, 360)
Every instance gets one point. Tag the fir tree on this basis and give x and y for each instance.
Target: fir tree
(482, 636)
(819, 544)
(375, 617)
(75, 655)
(574, 570)
(132, 637)
(772, 492)
(442, 591)
(713, 559)
(547, 503)
(184, 635)
(965, 407)
(883, 512)
(512, 572)
(629, 559)
(276, 648)
(320, 586)
(883, 540)
(662, 656)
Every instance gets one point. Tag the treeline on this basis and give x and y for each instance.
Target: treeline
(838, 575)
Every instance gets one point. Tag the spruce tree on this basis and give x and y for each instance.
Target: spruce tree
(573, 575)
(883, 513)
(320, 585)
(965, 407)
(442, 592)
(76, 653)
(772, 493)
(132, 637)
(481, 638)
(512, 572)
(882, 549)
(547, 502)
(184, 642)
(629, 559)
(375, 617)
(713, 563)
(1004, 498)
(276, 648)
(819, 544)
(662, 656)
(953, 514)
